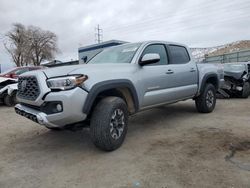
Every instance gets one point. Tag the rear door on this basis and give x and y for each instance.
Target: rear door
(185, 73)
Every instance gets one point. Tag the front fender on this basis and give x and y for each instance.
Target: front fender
(106, 85)
(11, 88)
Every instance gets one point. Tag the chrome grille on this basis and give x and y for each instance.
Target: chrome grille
(28, 88)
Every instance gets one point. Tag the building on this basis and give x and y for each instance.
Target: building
(87, 52)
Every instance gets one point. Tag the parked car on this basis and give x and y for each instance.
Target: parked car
(15, 72)
(237, 79)
(8, 84)
(117, 82)
(4, 97)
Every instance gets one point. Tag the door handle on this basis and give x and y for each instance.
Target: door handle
(192, 70)
(169, 71)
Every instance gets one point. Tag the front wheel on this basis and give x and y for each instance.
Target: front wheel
(205, 103)
(245, 90)
(109, 123)
(9, 100)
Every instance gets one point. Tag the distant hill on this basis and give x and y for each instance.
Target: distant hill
(199, 53)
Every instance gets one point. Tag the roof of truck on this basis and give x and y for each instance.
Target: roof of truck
(111, 43)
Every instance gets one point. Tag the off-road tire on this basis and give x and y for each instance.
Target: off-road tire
(14, 96)
(101, 127)
(245, 90)
(203, 104)
(8, 100)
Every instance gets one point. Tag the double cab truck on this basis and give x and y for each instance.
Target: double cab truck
(118, 82)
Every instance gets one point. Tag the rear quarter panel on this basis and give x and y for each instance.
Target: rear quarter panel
(210, 69)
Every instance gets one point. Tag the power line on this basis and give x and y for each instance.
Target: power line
(174, 25)
(186, 13)
(153, 26)
(173, 28)
(167, 20)
(98, 34)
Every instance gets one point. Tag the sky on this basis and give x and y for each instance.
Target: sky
(197, 23)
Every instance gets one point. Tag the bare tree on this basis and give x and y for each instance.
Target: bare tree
(30, 45)
(16, 44)
(43, 45)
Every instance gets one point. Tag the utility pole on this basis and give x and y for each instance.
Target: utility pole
(98, 34)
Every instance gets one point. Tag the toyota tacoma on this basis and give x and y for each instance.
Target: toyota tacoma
(116, 83)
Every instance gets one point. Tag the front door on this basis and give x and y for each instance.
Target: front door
(153, 78)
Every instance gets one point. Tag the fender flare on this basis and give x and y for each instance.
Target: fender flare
(206, 77)
(106, 85)
(4, 91)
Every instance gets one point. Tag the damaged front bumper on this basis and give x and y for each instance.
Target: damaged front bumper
(48, 114)
(34, 115)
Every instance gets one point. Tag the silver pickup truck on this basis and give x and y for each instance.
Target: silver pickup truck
(117, 82)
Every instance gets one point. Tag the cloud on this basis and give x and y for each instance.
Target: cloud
(196, 23)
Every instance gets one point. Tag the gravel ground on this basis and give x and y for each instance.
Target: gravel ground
(170, 146)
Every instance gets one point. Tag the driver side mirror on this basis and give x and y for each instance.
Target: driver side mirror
(84, 58)
(150, 59)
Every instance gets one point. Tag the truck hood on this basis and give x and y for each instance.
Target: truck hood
(236, 70)
(235, 74)
(5, 82)
(89, 69)
(3, 79)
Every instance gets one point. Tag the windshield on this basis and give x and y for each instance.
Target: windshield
(118, 54)
(230, 67)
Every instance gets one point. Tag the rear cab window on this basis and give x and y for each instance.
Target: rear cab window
(178, 54)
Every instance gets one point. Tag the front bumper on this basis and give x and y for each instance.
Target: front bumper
(72, 101)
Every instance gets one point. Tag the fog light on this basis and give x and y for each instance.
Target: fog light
(59, 107)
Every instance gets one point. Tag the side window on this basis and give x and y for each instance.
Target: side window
(179, 54)
(159, 49)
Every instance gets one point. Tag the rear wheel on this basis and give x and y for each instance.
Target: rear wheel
(205, 103)
(108, 125)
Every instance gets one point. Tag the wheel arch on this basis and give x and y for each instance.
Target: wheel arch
(210, 78)
(122, 88)
(3, 93)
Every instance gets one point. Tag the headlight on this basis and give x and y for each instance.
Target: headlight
(67, 82)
